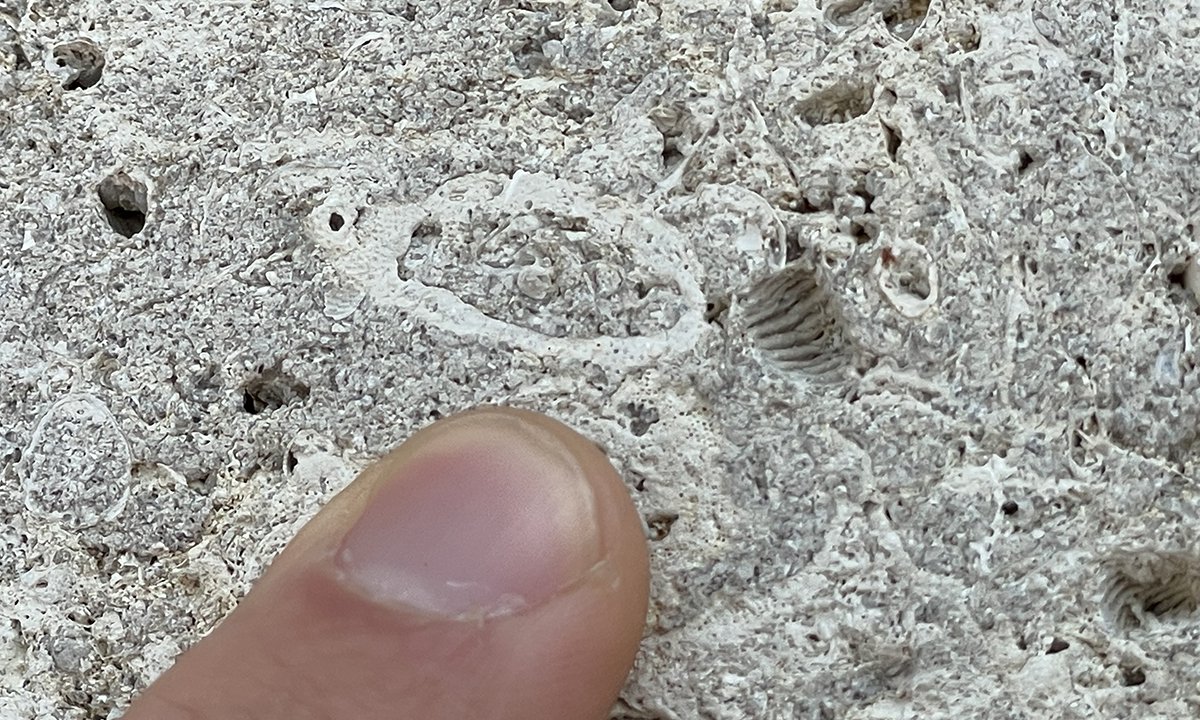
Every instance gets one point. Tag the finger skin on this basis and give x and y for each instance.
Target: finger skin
(303, 644)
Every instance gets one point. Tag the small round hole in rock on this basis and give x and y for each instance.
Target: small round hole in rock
(1132, 677)
(85, 61)
(124, 201)
(336, 222)
(659, 524)
(271, 390)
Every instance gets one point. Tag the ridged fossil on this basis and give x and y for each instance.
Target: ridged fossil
(790, 318)
(1140, 585)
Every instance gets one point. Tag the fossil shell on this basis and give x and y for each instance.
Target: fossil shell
(76, 469)
(790, 319)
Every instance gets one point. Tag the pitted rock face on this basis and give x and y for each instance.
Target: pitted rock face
(836, 285)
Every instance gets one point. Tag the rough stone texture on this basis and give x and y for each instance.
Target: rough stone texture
(884, 308)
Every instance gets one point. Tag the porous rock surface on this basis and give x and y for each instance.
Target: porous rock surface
(885, 310)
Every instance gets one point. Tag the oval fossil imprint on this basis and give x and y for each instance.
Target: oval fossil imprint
(76, 468)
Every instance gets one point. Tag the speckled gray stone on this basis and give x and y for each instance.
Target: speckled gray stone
(883, 308)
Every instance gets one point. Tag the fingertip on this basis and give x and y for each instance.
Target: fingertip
(494, 565)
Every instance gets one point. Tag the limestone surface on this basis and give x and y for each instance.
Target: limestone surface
(884, 309)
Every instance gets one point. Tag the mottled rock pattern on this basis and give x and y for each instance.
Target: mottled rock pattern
(885, 309)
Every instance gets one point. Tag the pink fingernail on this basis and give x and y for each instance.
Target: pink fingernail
(490, 515)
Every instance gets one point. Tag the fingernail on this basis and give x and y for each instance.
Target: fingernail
(488, 515)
